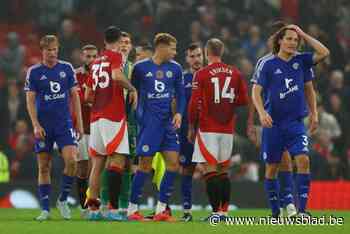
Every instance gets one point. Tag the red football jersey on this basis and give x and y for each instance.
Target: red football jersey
(216, 90)
(82, 77)
(108, 95)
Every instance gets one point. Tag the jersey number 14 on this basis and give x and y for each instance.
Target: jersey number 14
(226, 91)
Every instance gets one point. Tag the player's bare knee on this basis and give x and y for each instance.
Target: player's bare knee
(271, 171)
(187, 170)
(44, 170)
(303, 164)
(172, 166)
(145, 164)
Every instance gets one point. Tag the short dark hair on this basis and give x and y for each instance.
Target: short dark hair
(163, 38)
(146, 46)
(112, 34)
(46, 40)
(89, 47)
(279, 35)
(215, 46)
(193, 46)
(276, 25)
(125, 34)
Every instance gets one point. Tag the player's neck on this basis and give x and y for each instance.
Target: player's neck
(157, 59)
(50, 64)
(214, 60)
(284, 56)
(192, 70)
(111, 47)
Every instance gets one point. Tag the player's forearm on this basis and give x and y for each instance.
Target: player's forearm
(257, 99)
(310, 95)
(88, 97)
(321, 51)
(126, 84)
(32, 109)
(120, 78)
(77, 108)
(180, 104)
(251, 111)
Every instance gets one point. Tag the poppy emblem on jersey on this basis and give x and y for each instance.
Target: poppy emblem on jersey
(145, 148)
(296, 66)
(41, 144)
(169, 74)
(62, 74)
(159, 74)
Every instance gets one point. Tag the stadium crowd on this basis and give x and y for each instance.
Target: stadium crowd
(242, 25)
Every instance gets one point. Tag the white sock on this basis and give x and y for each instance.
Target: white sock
(187, 211)
(132, 208)
(160, 207)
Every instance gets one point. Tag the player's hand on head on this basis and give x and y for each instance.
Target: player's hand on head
(266, 120)
(296, 28)
(39, 132)
(133, 99)
(177, 120)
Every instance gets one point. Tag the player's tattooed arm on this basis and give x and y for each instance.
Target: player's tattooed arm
(119, 77)
(265, 118)
(39, 131)
(77, 109)
(310, 95)
(321, 51)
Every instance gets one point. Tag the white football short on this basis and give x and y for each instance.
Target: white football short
(108, 137)
(212, 148)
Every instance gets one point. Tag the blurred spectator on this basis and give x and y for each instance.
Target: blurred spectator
(254, 46)
(232, 45)
(328, 163)
(4, 117)
(337, 108)
(69, 41)
(12, 57)
(21, 143)
(16, 103)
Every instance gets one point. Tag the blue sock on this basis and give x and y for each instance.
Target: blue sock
(186, 189)
(44, 196)
(303, 186)
(66, 186)
(272, 190)
(286, 188)
(137, 186)
(167, 186)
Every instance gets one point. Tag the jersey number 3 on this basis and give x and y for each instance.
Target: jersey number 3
(100, 75)
(226, 91)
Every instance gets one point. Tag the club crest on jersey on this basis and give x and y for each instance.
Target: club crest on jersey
(145, 148)
(159, 74)
(295, 66)
(41, 144)
(169, 74)
(62, 74)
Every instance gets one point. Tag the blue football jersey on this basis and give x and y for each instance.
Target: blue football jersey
(283, 85)
(187, 76)
(52, 87)
(157, 85)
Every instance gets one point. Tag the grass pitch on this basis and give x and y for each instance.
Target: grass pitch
(15, 221)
